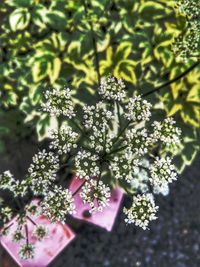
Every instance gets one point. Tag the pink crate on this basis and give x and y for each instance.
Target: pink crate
(59, 236)
(104, 219)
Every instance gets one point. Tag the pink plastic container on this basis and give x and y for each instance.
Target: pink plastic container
(59, 236)
(104, 219)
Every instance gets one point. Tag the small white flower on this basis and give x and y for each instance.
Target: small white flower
(96, 194)
(18, 236)
(7, 181)
(40, 232)
(64, 140)
(97, 117)
(124, 166)
(42, 171)
(162, 172)
(87, 164)
(27, 251)
(138, 110)
(112, 89)
(5, 214)
(142, 211)
(59, 102)
(166, 132)
(57, 204)
(20, 189)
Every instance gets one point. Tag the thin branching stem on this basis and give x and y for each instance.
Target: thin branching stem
(26, 230)
(78, 189)
(173, 80)
(31, 220)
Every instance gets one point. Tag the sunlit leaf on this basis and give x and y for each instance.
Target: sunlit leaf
(19, 19)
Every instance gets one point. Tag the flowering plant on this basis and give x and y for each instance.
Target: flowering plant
(105, 144)
(187, 44)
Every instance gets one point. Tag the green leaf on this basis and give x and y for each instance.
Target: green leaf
(125, 70)
(57, 19)
(39, 70)
(20, 3)
(54, 69)
(19, 19)
(151, 11)
(44, 124)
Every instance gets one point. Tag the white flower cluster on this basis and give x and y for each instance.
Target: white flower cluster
(191, 8)
(27, 251)
(59, 102)
(63, 140)
(187, 43)
(138, 140)
(166, 132)
(142, 211)
(96, 194)
(162, 172)
(123, 167)
(7, 181)
(40, 232)
(101, 141)
(140, 181)
(112, 89)
(20, 189)
(97, 117)
(43, 171)
(32, 209)
(138, 110)
(18, 235)
(5, 214)
(114, 142)
(57, 204)
(87, 164)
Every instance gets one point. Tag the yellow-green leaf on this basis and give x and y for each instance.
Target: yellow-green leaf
(54, 69)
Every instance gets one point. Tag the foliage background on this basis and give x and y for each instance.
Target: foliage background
(55, 43)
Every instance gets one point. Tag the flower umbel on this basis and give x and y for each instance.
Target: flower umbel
(63, 140)
(87, 164)
(18, 236)
(42, 171)
(166, 132)
(57, 204)
(40, 232)
(137, 110)
(142, 211)
(27, 251)
(7, 181)
(162, 172)
(96, 194)
(59, 102)
(112, 89)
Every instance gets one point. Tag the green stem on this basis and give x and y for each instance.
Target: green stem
(93, 41)
(77, 126)
(7, 227)
(117, 150)
(122, 131)
(173, 80)
(142, 167)
(118, 114)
